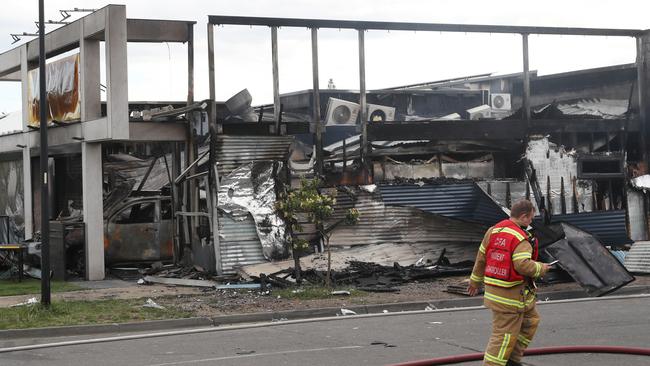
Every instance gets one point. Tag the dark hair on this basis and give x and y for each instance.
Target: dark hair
(520, 208)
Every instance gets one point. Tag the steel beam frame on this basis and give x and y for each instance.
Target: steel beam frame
(431, 27)
(361, 27)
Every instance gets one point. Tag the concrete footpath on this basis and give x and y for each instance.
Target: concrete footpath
(158, 325)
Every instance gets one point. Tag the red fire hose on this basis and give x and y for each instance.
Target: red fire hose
(532, 352)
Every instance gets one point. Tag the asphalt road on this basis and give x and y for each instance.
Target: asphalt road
(370, 341)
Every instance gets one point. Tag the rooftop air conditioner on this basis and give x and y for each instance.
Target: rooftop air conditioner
(500, 101)
(453, 116)
(480, 112)
(341, 112)
(380, 113)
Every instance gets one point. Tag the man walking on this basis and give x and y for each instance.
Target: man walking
(507, 263)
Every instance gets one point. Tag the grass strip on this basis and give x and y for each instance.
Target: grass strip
(63, 313)
(32, 286)
(313, 293)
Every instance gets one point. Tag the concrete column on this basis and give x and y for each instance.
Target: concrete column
(89, 78)
(24, 76)
(27, 161)
(91, 167)
(91, 157)
(116, 73)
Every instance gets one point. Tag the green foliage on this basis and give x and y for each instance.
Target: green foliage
(299, 244)
(317, 206)
(307, 200)
(352, 216)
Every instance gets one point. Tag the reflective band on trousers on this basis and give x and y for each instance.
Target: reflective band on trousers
(504, 300)
(504, 346)
(498, 361)
(523, 340)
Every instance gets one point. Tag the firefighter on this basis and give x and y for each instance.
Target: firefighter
(506, 263)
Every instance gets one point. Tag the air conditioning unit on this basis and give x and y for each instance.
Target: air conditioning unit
(453, 116)
(480, 112)
(500, 101)
(341, 112)
(380, 113)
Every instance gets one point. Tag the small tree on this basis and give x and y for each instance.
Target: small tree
(318, 207)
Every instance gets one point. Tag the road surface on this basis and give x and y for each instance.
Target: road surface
(367, 341)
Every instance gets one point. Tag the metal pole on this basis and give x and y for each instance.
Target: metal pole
(45, 223)
(190, 64)
(191, 148)
(362, 98)
(211, 77)
(316, 103)
(276, 79)
(526, 94)
(641, 86)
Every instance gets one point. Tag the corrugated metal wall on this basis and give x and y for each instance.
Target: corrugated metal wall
(463, 201)
(637, 259)
(233, 151)
(608, 226)
(636, 215)
(239, 243)
(405, 226)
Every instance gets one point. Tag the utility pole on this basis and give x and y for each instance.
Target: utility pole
(45, 222)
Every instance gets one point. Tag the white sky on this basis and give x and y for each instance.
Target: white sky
(243, 54)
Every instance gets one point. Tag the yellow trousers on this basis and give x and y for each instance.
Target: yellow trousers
(511, 334)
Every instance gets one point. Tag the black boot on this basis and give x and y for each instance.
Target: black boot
(513, 363)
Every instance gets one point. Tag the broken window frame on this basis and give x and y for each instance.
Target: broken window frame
(118, 218)
(599, 159)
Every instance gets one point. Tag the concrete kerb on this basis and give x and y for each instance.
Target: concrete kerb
(280, 316)
(151, 325)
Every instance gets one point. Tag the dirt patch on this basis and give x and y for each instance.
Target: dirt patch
(209, 302)
(215, 303)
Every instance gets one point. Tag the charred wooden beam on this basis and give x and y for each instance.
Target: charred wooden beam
(491, 130)
(264, 128)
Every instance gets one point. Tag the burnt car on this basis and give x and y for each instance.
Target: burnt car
(139, 229)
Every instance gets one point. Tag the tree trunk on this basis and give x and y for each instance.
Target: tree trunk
(296, 267)
(328, 279)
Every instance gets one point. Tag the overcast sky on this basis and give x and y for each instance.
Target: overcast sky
(243, 54)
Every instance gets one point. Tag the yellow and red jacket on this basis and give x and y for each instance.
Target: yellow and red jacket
(499, 267)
